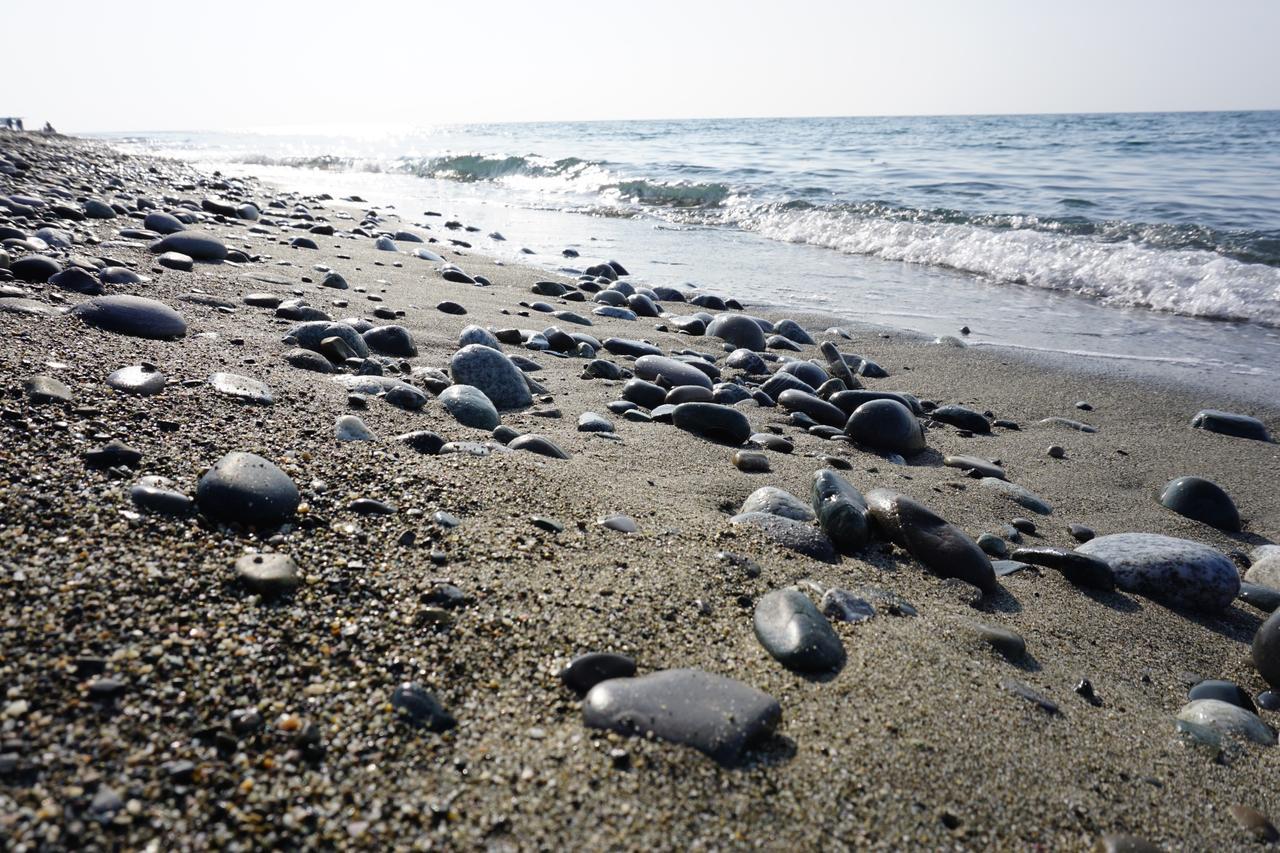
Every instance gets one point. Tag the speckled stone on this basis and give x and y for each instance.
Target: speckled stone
(1227, 719)
(1176, 571)
(246, 488)
(469, 406)
(716, 715)
(792, 630)
(493, 374)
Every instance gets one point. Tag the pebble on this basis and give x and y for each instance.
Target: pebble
(1056, 451)
(841, 605)
(391, 340)
(42, 390)
(750, 461)
(493, 374)
(1044, 703)
(470, 407)
(538, 444)
(1178, 572)
(713, 421)
(1023, 497)
(156, 495)
(113, 453)
(352, 428)
(1078, 568)
(1228, 423)
(962, 418)
(675, 373)
(132, 315)
(620, 523)
(586, 671)
(242, 388)
(1224, 691)
(789, 533)
(1008, 643)
(421, 708)
(886, 425)
(1202, 500)
(993, 545)
(1080, 533)
(718, 716)
(142, 379)
(591, 422)
(244, 487)
(738, 330)
(841, 511)
(1266, 650)
(778, 502)
(268, 575)
(943, 548)
(1255, 823)
(305, 359)
(975, 466)
(1227, 719)
(195, 244)
(799, 637)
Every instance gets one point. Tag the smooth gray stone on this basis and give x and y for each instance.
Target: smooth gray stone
(306, 359)
(1202, 500)
(194, 244)
(45, 389)
(792, 330)
(1176, 571)
(615, 313)
(397, 392)
(132, 315)
(1068, 424)
(799, 637)
(689, 394)
(246, 488)
(807, 372)
(982, 467)
(538, 444)
(841, 511)
(1266, 650)
(77, 281)
(962, 418)
(850, 400)
(1261, 596)
(591, 422)
(644, 393)
(1079, 569)
(1022, 497)
(268, 574)
(820, 410)
(469, 406)
(420, 707)
(775, 501)
(727, 393)
(35, 268)
(1229, 423)
(841, 605)
(713, 421)
(789, 533)
(944, 549)
(651, 367)
(334, 280)
(351, 428)
(886, 425)
(739, 330)
(242, 388)
(620, 523)
(493, 373)
(385, 244)
(1227, 719)
(586, 671)
(138, 379)
(19, 305)
(391, 340)
(783, 381)
(423, 441)
(718, 716)
(477, 335)
(262, 300)
(1006, 642)
(176, 261)
(636, 349)
(162, 223)
(1225, 691)
(309, 335)
(748, 361)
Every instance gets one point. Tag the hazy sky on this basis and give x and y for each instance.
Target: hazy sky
(202, 64)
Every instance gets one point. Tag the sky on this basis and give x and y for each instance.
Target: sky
(104, 65)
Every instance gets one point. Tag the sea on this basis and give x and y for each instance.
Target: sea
(1145, 243)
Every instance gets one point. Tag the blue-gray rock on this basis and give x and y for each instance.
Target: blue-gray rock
(391, 340)
(849, 401)
(142, 379)
(886, 425)
(636, 349)
(591, 422)
(739, 330)
(676, 373)
(351, 428)
(1178, 572)
(35, 268)
(713, 421)
(309, 335)
(791, 330)
(268, 575)
(1078, 568)
(246, 488)
(1202, 500)
(644, 393)
(305, 359)
(397, 392)
(385, 244)
(1229, 423)
(420, 707)
(493, 373)
(477, 335)
(586, 671)
(776, 501)
(975, 466)
(469, 406)
(132, 315)
(841, 511)
(162, 223)
(1223, 691)
(820, 410)
(843, 606)
(799, 637)
(944, 549)
(962, 418)
(194, 244)
(748, 361)
(718, 716)
(77, 280)
(1266, 650)
(1227, 719)
(155, 494)
(789, 533)
(242, 388)
(807, 372)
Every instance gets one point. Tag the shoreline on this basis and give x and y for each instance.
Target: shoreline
(918, 741)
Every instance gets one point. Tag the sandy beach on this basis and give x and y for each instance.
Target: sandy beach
(153, 701)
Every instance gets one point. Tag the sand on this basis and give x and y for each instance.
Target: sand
(913, 744)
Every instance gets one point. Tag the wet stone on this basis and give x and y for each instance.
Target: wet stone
(886, 425)
(943, 548)
(713, 421)
(155, 494)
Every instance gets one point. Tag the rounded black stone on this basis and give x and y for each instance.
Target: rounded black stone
(246, 488)
(1201, 500)
(1225, 691)
(586, 671)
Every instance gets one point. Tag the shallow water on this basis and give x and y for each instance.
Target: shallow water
(1150, 242)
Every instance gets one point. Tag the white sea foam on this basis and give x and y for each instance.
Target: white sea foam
(1190, 282)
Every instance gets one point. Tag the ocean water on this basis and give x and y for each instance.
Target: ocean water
(1148, 241)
